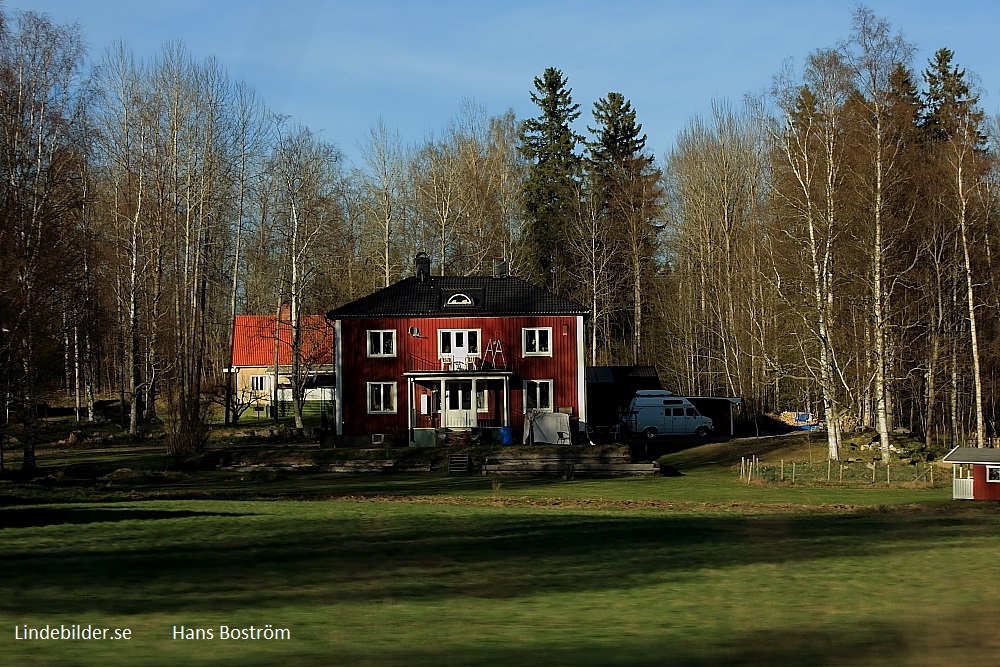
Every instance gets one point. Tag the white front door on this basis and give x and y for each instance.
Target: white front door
(459, 410)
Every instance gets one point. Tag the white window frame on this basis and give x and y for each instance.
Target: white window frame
(449, 355)
(482, 391)
(263, 380)
(526, 335)
(537, 383)
(394, 397)
(382, 336)
(996, 472)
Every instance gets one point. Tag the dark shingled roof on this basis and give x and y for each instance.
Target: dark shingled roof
(458, 296)
(986, 456)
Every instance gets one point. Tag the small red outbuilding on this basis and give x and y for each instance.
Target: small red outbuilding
(975, 473)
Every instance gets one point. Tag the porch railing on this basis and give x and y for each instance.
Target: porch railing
(962, 488)
(422, 364)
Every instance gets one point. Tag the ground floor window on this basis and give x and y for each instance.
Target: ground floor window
(993, 473)
(381, 397)
(538, 395)
(258, 383)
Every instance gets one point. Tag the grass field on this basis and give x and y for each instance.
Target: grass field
(697, 569)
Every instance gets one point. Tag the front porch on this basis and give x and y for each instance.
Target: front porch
(465, 400)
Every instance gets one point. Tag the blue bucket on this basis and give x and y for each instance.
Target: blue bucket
(506, 435)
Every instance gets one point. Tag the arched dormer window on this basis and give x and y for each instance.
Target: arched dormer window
(459, 300)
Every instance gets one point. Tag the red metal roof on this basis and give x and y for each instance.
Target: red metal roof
(254, 338)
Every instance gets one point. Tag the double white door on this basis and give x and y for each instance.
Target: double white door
(459, 404)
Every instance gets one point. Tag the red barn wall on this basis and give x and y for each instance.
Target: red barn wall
(415, 352)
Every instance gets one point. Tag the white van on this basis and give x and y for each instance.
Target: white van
(655, 412)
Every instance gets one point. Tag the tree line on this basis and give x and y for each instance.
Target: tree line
(826, 247)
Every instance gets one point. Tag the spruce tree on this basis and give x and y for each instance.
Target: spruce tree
(624, 185)
(550, 189)
(950, 106)
(956, 144)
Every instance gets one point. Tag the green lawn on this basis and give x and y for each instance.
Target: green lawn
(436, 570)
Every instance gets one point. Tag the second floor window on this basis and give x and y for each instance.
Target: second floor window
(458, 343)
(382, 343)
(537, 342)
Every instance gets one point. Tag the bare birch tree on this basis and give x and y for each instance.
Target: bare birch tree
(40, 68)
(807, 181)
(874, 54)
(385, 197)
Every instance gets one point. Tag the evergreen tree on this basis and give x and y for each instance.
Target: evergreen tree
(950, 105)
(952, 126)
(625, 187)
(550, 190)
(617, 142)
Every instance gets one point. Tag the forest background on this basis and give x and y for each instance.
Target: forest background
(826, 247)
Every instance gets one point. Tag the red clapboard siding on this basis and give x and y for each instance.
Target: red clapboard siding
(981, 489)
(413, 351)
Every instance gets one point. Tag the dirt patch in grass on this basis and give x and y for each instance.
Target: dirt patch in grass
(737, 507)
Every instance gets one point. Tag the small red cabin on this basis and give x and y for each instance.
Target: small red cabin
(432, 354)
(975, 473)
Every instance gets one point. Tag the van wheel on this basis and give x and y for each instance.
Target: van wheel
(650, 433)
(701, 432)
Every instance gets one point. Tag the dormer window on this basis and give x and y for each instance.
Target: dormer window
(459, 300)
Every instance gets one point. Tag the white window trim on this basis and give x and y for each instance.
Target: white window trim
(368, 399)
(266, 384)
(552, 395)
(993, 481)
(368, 342)
(524, 342)
(486, 399)
(451, 355)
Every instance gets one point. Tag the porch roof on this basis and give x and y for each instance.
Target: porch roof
(480, 374)
(977, 455)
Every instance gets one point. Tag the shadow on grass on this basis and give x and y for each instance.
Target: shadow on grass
(861, 645)
(215, 562)
(27, 517)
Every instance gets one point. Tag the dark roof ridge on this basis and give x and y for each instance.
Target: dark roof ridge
(497, 296)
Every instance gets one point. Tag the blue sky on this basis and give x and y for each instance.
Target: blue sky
(339, 66)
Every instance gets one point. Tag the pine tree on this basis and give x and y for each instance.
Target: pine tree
(550, 189)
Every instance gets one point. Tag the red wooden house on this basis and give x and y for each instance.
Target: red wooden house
(975, 473)
(435, 353)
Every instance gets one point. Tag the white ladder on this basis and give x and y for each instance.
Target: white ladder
(494, 350)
